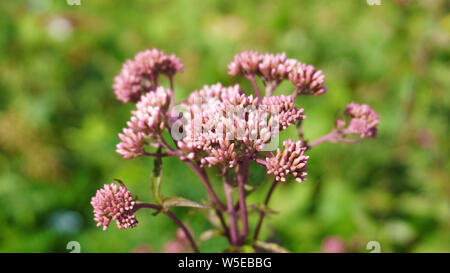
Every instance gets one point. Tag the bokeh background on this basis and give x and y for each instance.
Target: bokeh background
(59, 119)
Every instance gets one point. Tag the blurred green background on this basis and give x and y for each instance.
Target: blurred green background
(59, 118)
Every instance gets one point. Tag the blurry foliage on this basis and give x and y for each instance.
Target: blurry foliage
(59, 119)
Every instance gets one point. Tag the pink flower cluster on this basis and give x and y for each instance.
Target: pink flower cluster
(219, 125)
(132, 143)
(148, 121)
(215, 126)
(140, 75)
(228, 124)
(307, 79)
(363, 120)
(291, 160)
(288, 114)
(115, 203)
(222, 127)
(274, 68)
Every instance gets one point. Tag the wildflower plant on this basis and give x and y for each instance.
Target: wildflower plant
(223, 128)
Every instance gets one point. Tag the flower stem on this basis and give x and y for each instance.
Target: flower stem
(251, 78)
(139, 206)
(325, 138)
(242, 177)
(205, 180)
(262, 214)
(183, 227)
(270, 87)
(172, 99)
(209, 189)
(333, 136)
(172, 217)
(234, 233)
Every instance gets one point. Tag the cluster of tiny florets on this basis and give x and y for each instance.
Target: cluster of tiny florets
(244, 64)
(114, 203)
(274, 68)
(132, 143)
(220, 125)
(291, 160)
(363, 120)
(307, 79)
(288, 113)
(147, 121)
(149, 118)
(140, 75)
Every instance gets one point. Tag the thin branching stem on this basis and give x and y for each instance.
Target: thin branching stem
(172, 217)
(205, 180)
(184, 228)
(333, 136)
(252, 80)
(242, 177)
(262, 214)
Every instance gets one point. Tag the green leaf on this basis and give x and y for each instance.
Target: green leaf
(156, 179)
(177, 201)
(270, 247)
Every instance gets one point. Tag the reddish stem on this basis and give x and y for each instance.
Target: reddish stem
(333, 136)
(172, 99)
(234, 233)
(172, 217)
(184, 228)
(328, 137)
(242, 177)
(205, 180)
(251, 78)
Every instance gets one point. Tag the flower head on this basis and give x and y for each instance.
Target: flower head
(149, 118)
(307, 79)
(222, 153)
(244, 64)
(289, 161)
(132, 144)
(115, 203)
(288, 114)
(222, 123)
(140, 75)
(216, 91)
(129, 84)
(157, 61)
(274, 68)
(363, 120)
